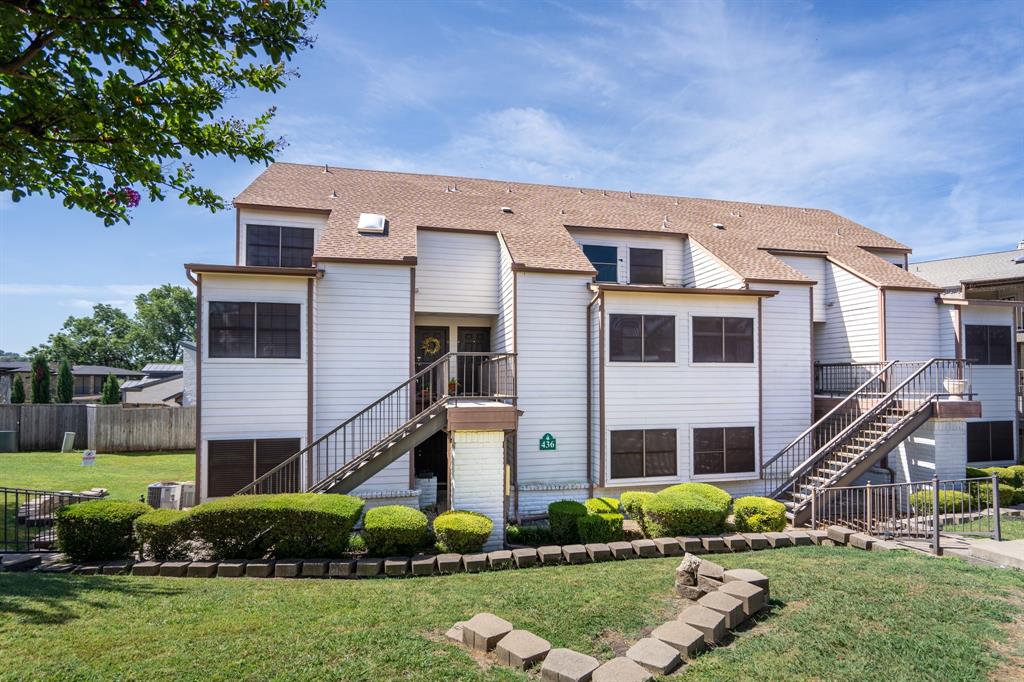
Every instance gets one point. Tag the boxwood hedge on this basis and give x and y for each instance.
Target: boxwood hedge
(686, 509)
(562, 517)
(603, 527)
(99, 530)
(164, 534)
(394, 529)
(462, 531)
(759, 515)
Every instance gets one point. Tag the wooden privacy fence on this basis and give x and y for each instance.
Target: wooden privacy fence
(104, 428)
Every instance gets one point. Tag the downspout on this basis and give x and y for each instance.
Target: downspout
(590, 394)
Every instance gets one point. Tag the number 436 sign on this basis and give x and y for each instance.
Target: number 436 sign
(547, 442)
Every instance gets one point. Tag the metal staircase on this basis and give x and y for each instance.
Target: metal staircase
(362, 445)
(862, 428)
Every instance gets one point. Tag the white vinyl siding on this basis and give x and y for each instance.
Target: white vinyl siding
(812, 267)
(912, 320)
(897, 258)
(679, 395)
(505, 332)
(850, 332)
(552, 340)
(670, 246)
(245, 398)
(595, 389)
(703, 271)
(248, 216)
(786, 374)
(456, 273)
(362, 349)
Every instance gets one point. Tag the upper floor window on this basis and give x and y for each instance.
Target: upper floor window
(640, 453)
(284, 247)
(723, 450)
(645, 266)
(723, 339)
(988, 344)
(605, 260)
(642, 338)
(989, 441)
(254, 330)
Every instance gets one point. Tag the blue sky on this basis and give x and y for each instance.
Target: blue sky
(906, 117)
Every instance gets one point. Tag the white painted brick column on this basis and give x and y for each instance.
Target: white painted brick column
(938, 448)
(478, 478)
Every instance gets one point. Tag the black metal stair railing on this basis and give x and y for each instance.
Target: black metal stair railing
(452, 378)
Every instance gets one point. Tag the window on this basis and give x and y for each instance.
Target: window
(645, 266)
(233, 464)
(285, 247)
(639, 454)
(723, 339)
(642, 338)
(723, 450)
(989, 441)
(988, 344)
(605, 260)
(261, 330)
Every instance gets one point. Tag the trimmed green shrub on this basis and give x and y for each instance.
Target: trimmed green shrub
(529, 535)
(604, 527)
(356, 543)
(40, 380)
(709, 492)
(110, 393)
(164, 534)
(65, 383)
(982, 494)
(100, 530)
(1019, 470)
(1006, 475)
(603, 505)
(394, 529)
(462, 531)
(759, 515)
(562, 516)
(949, 501)
(681, 512)
(287, 525)
(18, 391)
(974, 472)
(633, 503)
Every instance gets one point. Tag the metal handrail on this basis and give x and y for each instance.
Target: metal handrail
(428, 387)
(858, 422)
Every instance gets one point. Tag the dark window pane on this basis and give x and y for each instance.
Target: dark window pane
(978, 442)
(976, 344)
(1001, 435)
(660, 452)
(1000, 350)
(645, 266)
(230, 466)
(272, 451)
(739, 449)
(707, 339)
(627, 454)
(296, 247)
(739, 339)
(659, 338)
(263, 245)
(277, 333)
(708, 451)
(605, 260)
(231, 329)
(626, 338)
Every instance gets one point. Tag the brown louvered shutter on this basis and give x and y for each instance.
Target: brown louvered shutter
(272, 451)
(231, 466)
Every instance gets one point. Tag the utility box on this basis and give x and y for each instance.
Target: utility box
(8, 441)
(68, 443)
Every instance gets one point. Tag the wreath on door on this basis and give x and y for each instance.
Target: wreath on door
(431, 345)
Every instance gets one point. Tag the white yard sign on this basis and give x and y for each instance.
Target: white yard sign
(88, 458)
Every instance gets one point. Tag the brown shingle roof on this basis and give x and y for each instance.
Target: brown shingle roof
(536, 233)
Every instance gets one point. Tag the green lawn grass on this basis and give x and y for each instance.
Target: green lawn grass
(836, 614)
(1010, 527)
(126, 475)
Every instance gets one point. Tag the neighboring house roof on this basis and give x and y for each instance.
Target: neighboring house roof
(76, 370)
(187, 345)
(985, 267)
(535, 229)
(163, 368)
(139, 384)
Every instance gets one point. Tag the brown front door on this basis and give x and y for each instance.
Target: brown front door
(472, 374)
(431, 345)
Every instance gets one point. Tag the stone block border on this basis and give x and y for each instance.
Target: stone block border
(442, 564)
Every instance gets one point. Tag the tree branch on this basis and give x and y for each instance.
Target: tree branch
(34, 48)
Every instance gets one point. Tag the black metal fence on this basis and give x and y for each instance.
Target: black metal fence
(28, 517)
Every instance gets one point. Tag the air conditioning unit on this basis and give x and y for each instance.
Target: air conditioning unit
(371, 223)
(188, 495)
(165, 495)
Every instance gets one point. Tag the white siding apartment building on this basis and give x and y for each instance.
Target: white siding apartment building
(497, 346)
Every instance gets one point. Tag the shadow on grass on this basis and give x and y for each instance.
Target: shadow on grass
(40, 599)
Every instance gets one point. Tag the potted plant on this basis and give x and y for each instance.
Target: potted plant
(956, 388)
(453, 386)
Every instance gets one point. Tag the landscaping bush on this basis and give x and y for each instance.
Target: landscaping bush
(462, 531)
(1019, 470)
(1006, 475)
(759, 515)
(356, 543)
(982, 494)
(164, 534)
(287, 525)
(602, 505)
(603, 527)
(633, 503)
(529, 535)
(562, 517)
(394, 529)
(709, 492)
(974, 472)
(683, 512)
(949, 501)
(100, 530)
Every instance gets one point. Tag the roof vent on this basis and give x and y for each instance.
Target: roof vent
(718, 226)
(1019, 259)
(506, 209)
(371, 223)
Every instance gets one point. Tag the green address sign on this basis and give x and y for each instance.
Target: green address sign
(547, 442)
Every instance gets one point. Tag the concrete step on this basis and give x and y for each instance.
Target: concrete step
(1007, 553)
